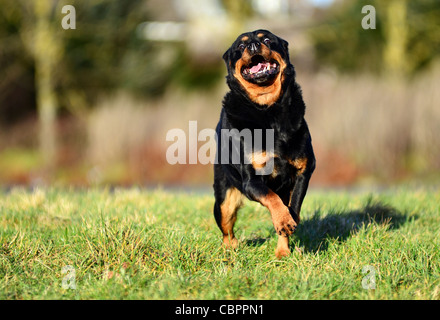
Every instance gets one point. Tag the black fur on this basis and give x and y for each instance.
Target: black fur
(285, 117)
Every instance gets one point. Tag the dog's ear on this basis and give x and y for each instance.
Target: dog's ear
(227, 59)
(226, 55)
(285, 46)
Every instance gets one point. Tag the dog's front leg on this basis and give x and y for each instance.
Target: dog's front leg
(281, 217)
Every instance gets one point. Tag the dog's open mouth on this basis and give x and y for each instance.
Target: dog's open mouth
(260, 70)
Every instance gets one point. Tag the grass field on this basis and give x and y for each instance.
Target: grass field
(152, 244)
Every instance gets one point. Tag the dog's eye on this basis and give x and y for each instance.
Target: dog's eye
(266, 41)
(241, 46)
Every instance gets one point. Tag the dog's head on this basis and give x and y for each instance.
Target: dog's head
(259, 62)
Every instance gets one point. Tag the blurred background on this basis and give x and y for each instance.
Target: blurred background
(92, 105)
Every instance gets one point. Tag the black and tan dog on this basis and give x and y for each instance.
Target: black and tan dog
(263, 95)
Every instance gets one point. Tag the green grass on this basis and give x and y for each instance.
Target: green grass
(139, 244)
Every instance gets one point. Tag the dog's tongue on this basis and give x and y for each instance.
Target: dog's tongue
(257, 68)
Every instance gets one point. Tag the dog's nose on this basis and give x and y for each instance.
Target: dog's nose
(254, 47)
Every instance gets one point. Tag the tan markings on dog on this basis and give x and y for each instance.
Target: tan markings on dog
(281, 218)
(274, 172)
(260, 35)
(262, 95)
(259, 160)
(229, 207)
(300, 164)
(245, 38)
(290, 197)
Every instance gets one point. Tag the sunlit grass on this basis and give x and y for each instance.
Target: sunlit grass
(142, 244)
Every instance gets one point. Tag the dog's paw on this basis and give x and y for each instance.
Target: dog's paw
(284, 223)
(282, 252)
(230, 243)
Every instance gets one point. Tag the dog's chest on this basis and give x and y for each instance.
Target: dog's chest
(276, 164)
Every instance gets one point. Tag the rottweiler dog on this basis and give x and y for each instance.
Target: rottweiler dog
(263, 98)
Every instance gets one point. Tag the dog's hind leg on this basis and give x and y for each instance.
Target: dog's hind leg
(227, 202)
(225, 213)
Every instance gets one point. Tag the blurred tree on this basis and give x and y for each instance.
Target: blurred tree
(17, 91)
(405, 39)
(44, 66)
(238, 12)
(101, 55)
(47, 53)
(105, 54)
(396, 38)
(32, 24)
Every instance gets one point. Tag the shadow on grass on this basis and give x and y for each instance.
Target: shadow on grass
(313, 232)
(256, 242)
